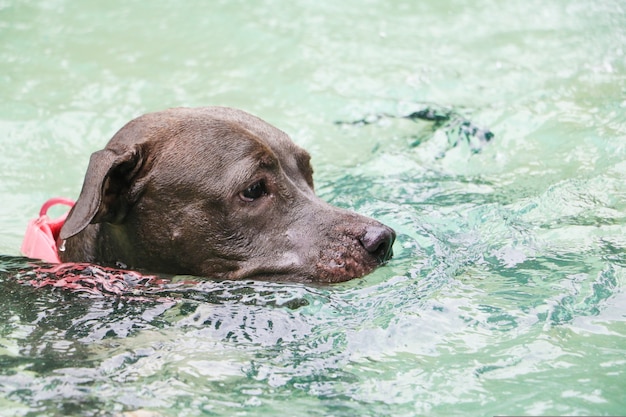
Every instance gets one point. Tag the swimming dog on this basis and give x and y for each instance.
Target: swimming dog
(215, 192)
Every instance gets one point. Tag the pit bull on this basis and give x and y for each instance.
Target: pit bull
(215, 192)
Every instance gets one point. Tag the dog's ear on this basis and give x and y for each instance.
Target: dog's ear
(105, 196)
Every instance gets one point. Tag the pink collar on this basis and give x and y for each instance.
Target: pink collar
(40, 240)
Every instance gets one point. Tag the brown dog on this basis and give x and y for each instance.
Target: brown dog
(215, 192)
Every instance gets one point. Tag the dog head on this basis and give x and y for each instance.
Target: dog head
(215, 192)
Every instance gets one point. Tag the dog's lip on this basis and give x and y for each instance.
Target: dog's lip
(291, 269)
(275, 275)
(333, 266)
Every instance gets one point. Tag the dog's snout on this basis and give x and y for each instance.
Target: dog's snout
(378, 241)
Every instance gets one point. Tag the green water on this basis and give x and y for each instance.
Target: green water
(506, 294)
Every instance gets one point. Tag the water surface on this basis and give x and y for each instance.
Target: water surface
(506, 294)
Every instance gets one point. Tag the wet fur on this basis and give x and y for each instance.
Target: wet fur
(165, 195)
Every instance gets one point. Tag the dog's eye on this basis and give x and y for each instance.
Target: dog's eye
(254, 191)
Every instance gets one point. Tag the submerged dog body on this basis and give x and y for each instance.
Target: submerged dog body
(215, 192)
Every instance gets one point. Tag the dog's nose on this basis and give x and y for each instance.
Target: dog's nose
(378, 241)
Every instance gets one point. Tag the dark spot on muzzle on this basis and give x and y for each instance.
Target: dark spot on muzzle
(378, 241)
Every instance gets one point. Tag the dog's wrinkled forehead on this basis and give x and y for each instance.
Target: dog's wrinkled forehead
(211, 140)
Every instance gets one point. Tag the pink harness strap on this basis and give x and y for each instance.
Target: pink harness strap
(40, 240)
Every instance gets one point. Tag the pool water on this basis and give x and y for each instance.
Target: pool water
(506, 293)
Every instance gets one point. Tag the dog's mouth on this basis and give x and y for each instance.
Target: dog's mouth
(351, 254)
(336, 266)
(288, 268)
(333, 267)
